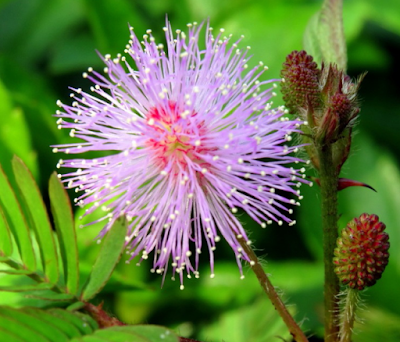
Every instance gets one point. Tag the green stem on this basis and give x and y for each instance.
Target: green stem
(269, 289)
(349, 314)
(329, 182)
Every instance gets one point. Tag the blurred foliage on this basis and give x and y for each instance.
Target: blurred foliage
(46, 45)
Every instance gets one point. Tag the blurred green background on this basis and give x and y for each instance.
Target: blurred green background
(45, 45)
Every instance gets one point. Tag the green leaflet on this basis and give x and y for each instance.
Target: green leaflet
(42, 327)
(38, 215)
(54, 325)
(324, 37)
(6, 247)
(50, 282)
(64, 224)
(64, 325)
(84, 323)
(16, 222)
(110, 253)
(136, 333)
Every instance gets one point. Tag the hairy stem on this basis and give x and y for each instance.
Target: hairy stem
(349, 314)
(329, 183)
(103, 319)
(268, 288)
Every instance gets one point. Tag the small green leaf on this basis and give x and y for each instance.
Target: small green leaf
(84, 323)
(324, 37)
(110, 252)
(75, 306)
(16, 222)
(5, 238)
(52, 296)
(110, 335)
(64, 224)
(8, 336)
(37, 210)
(18, 271)
(87, 321)
(134, 333)
(90, 338)
(25, 288)
(65, 326)
(20, 330)
(153, 333)
(44, 328)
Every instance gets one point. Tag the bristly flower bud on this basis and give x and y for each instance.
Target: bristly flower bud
(362, 254)
(300, 85)
(326, 98)
(340, 111)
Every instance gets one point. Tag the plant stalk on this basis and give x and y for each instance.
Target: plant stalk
(349, 314)
(269, 289)
(329, 183)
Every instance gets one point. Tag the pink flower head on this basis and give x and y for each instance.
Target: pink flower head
(191, 139)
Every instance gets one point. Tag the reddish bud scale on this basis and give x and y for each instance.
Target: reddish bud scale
(300, 87)
(341, 104)
(362, 254)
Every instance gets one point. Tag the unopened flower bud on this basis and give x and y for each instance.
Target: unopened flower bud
(362, 254)
(300, 88)
(339, 95)
(327, 99)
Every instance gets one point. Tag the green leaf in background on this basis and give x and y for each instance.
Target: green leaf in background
(17, 223)
(37, 104)
(257, 322)
(387, 16)
(65, 228)
(48, 22)
(109, 255)
(14, 134)
(38, 214)
(74, 54)
(324, 37)
(109, 23)
(376, 325)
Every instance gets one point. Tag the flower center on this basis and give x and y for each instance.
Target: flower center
(172, 137)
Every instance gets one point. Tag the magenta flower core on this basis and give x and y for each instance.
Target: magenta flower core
(191, 138)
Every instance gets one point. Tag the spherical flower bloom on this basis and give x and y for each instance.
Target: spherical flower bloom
(191, 139)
